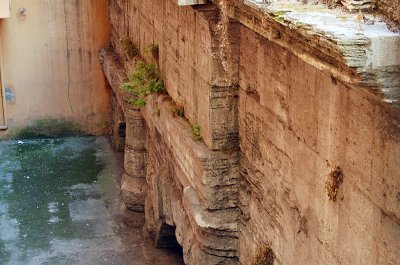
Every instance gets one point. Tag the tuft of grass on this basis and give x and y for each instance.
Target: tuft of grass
(196, 132)
(335, 178)
(138, 102)
(143, 81)
(49, 128)
(264, 256)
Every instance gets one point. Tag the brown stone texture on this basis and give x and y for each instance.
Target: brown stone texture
(133, 183)
(296, 125)
(391, 9)
(117, 124)
(292, 102)
(191, 45)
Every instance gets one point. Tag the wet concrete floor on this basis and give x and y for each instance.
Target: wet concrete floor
(60, 204)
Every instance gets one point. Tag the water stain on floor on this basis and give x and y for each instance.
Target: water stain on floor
(60, 204)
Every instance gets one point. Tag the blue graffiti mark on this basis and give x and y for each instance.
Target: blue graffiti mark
(9, 95)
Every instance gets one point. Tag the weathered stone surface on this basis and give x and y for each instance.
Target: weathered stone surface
(289, 152)
(355, 5)
(135, 162)
(133, 192)
(356, 52)
(117, 124)
(215, 232)
(302, 95)
(160, 147)
(391, 9)
(191, 2)
(133, 183)
(213, 174)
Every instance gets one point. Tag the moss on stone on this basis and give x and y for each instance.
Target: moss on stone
(196, 133)
(48, 128)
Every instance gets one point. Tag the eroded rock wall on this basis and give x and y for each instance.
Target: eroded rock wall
(191, 186)
(296, 125)
(314, 178)
(391, 9)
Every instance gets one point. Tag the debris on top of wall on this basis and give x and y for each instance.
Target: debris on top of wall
(365, 41)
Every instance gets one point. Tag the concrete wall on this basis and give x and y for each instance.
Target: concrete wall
(49, 62)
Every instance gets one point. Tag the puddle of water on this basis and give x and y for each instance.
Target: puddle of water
(60, 204)
(56, 198)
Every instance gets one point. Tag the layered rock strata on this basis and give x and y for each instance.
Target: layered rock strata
(299, 160)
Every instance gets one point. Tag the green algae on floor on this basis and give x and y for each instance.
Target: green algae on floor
(60, 204)
(44, 186)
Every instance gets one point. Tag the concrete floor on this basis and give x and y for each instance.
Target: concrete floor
(60, 204)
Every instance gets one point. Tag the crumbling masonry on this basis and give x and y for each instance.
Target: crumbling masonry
(298, 109)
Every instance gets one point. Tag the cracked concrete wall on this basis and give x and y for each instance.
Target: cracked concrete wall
(49, 60)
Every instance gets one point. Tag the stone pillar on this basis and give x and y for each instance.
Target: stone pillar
(133, 185)
(117, 124)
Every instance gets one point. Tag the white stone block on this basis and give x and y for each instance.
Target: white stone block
(191, 2)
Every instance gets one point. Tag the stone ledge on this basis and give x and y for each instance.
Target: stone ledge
(213, 174)
(215, 230)
(332, 40)
(116, 74)
(133, 184)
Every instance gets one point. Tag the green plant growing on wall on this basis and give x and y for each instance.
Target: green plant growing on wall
(264, 256)
(196, 132)
(130, 49)
(143, 81)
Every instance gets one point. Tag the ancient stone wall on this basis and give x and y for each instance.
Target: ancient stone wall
(314, 178)
(391, 9)
(297, 125)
